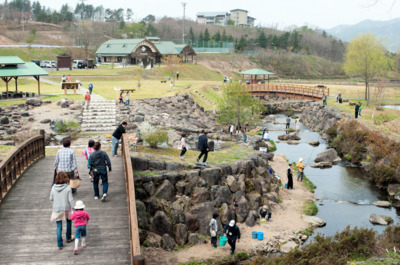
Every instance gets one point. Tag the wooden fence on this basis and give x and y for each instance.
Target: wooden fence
(14, 165)
(288, 90)
(136, 256)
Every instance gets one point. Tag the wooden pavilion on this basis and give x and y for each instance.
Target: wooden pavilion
(14, 67)
(254, 76)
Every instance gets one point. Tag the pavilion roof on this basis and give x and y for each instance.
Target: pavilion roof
(23, 69)
(256, 72)
(10, 60)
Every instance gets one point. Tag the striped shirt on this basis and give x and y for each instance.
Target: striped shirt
(65, 160)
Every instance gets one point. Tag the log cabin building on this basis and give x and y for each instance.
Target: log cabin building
(145, 51)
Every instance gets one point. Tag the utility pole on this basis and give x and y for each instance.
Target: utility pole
(82, 7)
(183, 23)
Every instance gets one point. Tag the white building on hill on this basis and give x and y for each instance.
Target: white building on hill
(238, 16)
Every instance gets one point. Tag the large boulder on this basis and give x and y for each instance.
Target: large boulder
(195, 239)
(393, 189)
(60, 138)
(285, 248)
(204, 214)
(380, 219)
(322, 165)
(200, 194)
(243, 210)
(224, 213)
(329, 155)
(182, 203)
(161, 224)
(140, 163)
(191, 222)
(232, 183)
(251, 218)
(220, 194)
(141, 215)
(153, 240)
(314, 221)
(166, 191)
(167, 242)
(4, 120)
(211, 175)
(383, 204)
(34, 102)
(314, 143)
(180, 234)
(178, 217)
(156, 165)
(289, 136)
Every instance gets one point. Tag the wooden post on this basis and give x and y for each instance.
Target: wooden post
(16, 83)
(37, 77)
(43, 134)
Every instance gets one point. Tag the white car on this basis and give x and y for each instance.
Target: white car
(75, 63)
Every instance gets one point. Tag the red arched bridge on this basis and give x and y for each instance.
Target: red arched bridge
(288, 90)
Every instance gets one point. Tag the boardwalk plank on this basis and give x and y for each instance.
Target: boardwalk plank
(28, 237)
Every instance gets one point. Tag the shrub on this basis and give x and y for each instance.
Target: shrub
(310, 208)
(152, 135)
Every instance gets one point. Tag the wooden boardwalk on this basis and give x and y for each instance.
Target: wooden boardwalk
(288, 90)
(28, 237)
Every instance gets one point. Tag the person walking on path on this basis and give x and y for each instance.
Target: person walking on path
(324, 100)
(232, 215)
(232, 233)
(177, 75)
(287, 123)
(81, 218)
(99, 162)
(61, 196)
(69, 78)
(116, 137)
(63, 79)
(90, 88)
(290, 177)
(87, 100)
(203, 147)
(244, 133)
(231, 128)
(300, 167)
(127, 101)
(359, 109)
(213, 230)
(183, 146)
(88, 150)
(66, 161)
(356, 110)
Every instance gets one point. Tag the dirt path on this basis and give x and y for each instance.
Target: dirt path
(286, 219)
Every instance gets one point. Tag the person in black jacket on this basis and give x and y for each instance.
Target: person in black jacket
(232, 233)
(116, 137)
(290, 177)
(203, 147)
(98, 163)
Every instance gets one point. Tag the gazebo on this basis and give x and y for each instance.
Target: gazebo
(14, 67)
(254, 75)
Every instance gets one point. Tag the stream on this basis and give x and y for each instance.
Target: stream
(345, 194)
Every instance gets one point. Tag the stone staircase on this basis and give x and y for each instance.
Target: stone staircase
(100, 117)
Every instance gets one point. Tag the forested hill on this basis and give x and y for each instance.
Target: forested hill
(387, 31)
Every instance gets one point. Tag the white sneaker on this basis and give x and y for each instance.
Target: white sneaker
(96, 198)
(204, 163)
(103, 199)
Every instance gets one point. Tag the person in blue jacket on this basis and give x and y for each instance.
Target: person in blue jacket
(232, 233)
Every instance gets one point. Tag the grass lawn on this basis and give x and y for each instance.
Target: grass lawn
(5, 150)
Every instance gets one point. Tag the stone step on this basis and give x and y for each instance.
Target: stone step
(105, 112)
(105, 129)
(103, 101)
(109, 121)
(104, 124)
(98, 118)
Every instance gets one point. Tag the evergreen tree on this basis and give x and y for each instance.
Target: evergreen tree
(230, 38)
(242, 44)
(201, 37)
(262, 39)
(295, 39)
(191, 35)
(206, 35)
(217, 36)
(224, 37)
(284, 40)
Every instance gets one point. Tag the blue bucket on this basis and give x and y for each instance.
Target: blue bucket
(222, 241)
(254, 235)
(260, 235)
(270, 171)
(286, 185)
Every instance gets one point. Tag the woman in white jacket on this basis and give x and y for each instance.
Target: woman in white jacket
(183, 146)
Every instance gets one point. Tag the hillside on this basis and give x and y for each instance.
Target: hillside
(387, 31)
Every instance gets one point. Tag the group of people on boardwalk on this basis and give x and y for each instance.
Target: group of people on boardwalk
(66, 171)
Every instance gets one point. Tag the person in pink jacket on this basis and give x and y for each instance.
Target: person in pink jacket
(81, 218)
(88, 150)
(183, 146)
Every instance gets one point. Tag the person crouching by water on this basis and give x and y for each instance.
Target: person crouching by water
(81, 218)
(265, 214)
(232, 233)
(61, 196)
(98, 162)
(300, 167)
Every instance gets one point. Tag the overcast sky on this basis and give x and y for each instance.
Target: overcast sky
(277, 13)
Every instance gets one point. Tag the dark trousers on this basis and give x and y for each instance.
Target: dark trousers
(183, 151)
(214, 241)
(232, 243)
(290, 182)
(356, 114)
(287, 125)
(205, 153)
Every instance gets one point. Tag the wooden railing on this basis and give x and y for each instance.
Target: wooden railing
(289, 90)
(136, 256)
(14, 165)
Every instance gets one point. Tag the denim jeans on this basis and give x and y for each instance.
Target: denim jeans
(115, 143)
(59, 232)
(300, 176)
(244, 138)
(80, 231)
(100, 173)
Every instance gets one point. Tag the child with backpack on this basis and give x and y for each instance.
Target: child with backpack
(88, 150)
(81, 218)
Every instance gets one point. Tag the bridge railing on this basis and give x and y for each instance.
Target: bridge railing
(289, 90)
(136, 256)
(15, 163)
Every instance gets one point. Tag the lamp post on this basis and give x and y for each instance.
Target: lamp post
(183, 23)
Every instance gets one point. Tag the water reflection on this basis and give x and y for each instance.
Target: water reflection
(346, 194)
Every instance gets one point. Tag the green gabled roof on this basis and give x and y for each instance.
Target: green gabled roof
(25, 69)
(167, 47)
(256, 72)
(7, 60)
(118, 47)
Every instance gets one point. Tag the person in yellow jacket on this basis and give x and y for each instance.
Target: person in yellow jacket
(300, 166)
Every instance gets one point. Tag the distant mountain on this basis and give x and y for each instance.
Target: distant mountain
(387, 31)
